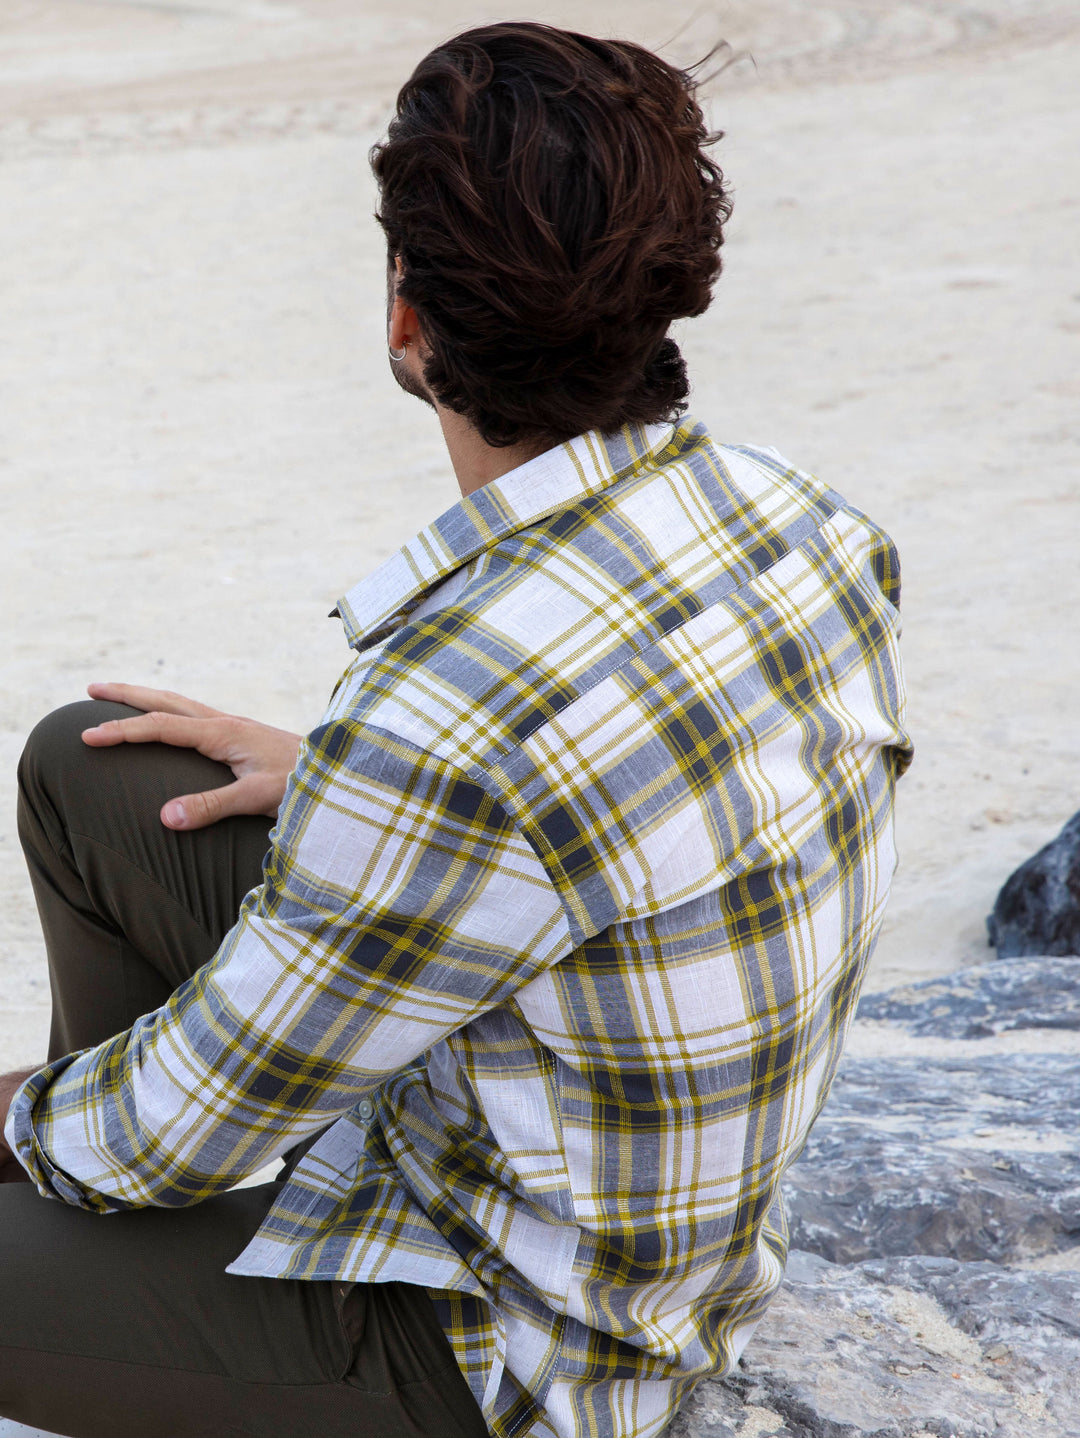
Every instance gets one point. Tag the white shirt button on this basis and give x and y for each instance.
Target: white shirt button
(366, 1109)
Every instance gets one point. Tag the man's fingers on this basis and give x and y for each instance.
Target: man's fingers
(254, 794)
(157, 728)
(159, 700)
(196, 811)
(260, 756)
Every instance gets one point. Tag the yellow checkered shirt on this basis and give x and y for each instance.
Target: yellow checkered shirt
(561, 929)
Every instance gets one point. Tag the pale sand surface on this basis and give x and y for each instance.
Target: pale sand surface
(201, 447)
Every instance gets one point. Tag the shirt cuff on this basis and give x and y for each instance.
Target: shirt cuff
(51, 1181)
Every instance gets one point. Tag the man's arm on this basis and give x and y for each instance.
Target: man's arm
(399, 902)
(260, 756)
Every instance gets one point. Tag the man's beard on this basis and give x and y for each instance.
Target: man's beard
(410, 383)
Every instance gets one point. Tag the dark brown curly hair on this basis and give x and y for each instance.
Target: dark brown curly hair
(554, 211)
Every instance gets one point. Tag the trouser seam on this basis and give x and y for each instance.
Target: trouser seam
(451, 1367)
(150, 878)
(34, 805)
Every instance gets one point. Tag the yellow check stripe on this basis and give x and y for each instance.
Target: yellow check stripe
(561, 930)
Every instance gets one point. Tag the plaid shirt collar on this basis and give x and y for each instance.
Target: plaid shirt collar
(541, 487)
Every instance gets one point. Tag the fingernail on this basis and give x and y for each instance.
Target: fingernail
(174, 812)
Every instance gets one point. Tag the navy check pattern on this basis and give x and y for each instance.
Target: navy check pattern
(560, 933)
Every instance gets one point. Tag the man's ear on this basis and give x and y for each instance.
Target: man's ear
(404, 329)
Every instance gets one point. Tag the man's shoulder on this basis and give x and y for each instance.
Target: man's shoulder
(699, 509)
(534, 622)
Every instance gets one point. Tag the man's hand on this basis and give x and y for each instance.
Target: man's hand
(11, 1170)
(262, 758)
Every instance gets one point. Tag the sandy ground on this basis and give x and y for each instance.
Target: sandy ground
(201, 448)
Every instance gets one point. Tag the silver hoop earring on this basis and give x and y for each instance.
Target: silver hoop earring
(397, 358)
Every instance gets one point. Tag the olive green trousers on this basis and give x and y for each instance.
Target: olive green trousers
(127, 1326)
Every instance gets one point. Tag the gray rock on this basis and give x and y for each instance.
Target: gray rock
(921, 1180)
(1038, 908)
(903, 1349)
(976, 1159)
(1030, 1309)
(1041, 993)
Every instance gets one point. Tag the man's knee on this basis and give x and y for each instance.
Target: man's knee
(60, 778)
(55, 743)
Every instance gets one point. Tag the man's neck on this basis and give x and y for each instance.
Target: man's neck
(475, 462)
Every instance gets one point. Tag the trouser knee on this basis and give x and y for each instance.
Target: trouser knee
(55, 744)
(61, 780)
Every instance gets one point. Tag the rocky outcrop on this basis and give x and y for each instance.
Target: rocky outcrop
(934, 1282)
(903, 1348)
(1038, 908)
(976, 1159)
(991, 998)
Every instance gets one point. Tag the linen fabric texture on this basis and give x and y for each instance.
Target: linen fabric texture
(560, 931)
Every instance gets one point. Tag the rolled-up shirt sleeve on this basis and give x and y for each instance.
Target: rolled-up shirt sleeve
(399, 901)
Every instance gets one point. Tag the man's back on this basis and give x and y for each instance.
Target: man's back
(655, 681)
